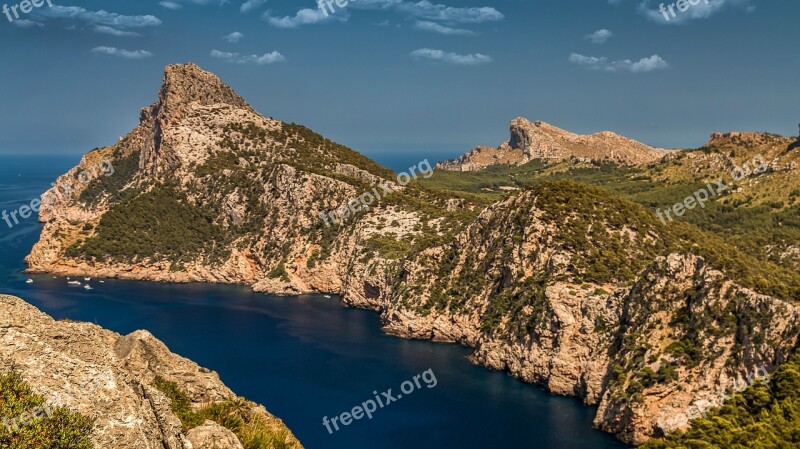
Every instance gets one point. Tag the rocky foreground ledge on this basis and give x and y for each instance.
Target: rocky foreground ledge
(119, 380)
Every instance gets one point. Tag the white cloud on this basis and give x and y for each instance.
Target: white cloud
(266, 58)
(114, 32)
(305, 16)
(100, 17)
(600, 36)
(702, 10)
(251, 5)
(643, 65)
(120, 53)
(422, 10)
(177, 4)
(24, 23)
(451, 58)
(171, 5)
(441, 29)
(233, 37)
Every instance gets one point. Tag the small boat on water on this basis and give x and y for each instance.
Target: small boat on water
(74, 283)
(328, 296)
(88, 287)
(102, 282)
(87, 279)
(29, 281)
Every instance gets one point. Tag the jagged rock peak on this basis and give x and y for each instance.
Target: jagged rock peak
(540, 140)
(748, 137)
(185, 84)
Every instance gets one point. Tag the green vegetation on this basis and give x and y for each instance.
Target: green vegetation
(279, 272)
(755, 227)
(125, 168)
(30, 423)
(764, 416)
(609, 240)
(254, 430)
(159, 223)
(315, 152)
(388, 247)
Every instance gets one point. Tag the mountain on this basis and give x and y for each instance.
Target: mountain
(110, 390)
(540, 140)
(558, 270)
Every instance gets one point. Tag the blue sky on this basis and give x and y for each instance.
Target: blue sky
(392, 76)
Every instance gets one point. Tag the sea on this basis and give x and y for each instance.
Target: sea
(305, 357)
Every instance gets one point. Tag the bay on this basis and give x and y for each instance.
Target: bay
(304, 357)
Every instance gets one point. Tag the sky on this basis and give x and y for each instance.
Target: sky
(405, 76)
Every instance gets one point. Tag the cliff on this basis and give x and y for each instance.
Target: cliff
(113, 379)
(540, 140)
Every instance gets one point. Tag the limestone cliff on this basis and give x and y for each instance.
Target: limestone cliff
(110, 377)
(540, 140)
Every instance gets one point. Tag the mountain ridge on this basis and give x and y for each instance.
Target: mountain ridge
(540, 140)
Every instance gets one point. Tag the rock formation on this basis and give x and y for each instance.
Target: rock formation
(541, 140)
(102, 374)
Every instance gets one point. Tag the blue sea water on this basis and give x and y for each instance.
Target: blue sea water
(303, 357)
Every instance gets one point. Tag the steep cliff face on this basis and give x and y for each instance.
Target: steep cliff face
(696, 334)
(562, 285)
(110, 377)
(539, 289)
(540, 140)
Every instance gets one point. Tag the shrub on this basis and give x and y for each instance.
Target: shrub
(254, 430)
(44, 426)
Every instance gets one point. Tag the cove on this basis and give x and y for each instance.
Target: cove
(302, 357)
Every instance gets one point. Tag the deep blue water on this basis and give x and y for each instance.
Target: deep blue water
(303, 357)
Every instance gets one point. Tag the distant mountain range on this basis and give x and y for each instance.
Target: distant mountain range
(544, 255)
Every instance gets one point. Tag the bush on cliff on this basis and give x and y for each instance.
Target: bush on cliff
(254, 430)
(30, 423)
(764, 416)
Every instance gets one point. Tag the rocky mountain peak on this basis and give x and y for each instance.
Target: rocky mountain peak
(541, 140)
(185, 84)
(738, 137)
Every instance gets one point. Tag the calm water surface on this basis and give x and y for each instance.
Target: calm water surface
(302, 357)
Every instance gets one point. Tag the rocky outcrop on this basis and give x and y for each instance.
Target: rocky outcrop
(540, 140)
(102, 374)
(646, 352)
(213, 436)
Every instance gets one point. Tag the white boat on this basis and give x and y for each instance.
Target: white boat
(29, 281)
(88, 287)
(328, 296)
(74, 283)
(102, 282)
(87, 279)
